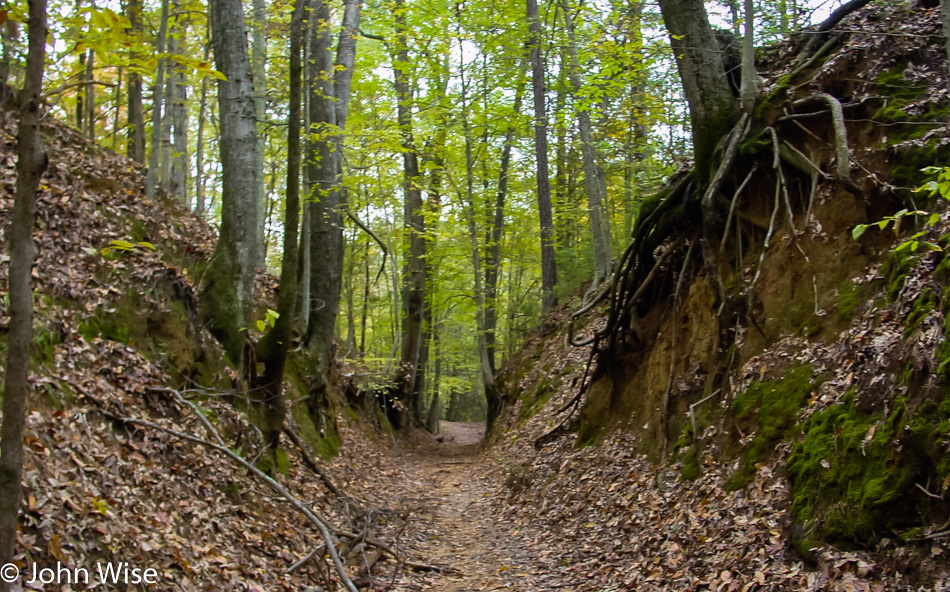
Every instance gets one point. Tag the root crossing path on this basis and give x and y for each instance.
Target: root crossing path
(457, 521)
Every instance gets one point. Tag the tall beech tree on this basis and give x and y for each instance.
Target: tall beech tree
(30, 166)
(227, 286)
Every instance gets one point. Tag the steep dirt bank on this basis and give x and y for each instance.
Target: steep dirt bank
(796, 436)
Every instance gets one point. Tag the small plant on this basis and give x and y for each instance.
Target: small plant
(270, 320)
(939, 186)
(121, 245)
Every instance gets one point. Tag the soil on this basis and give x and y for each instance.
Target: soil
(462, 530)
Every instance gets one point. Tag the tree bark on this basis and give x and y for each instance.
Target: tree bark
(200, 140)
(258, 74)
(135, 148)
(749, 88)
(30, 166)
(712, 108)
(151, 178)
(414, 285)
(227, 288)
(594, 183)
(545, 212)
(272, 348)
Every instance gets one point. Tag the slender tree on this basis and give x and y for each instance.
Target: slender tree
(135, 148)
(227, 286)
(151, 178)
(545, 211)
(30, 166)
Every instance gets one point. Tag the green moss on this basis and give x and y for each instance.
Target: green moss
(690, 469)
(853, 473)
(848, 299)
(923, 306)
(282, 461)
(770, 409)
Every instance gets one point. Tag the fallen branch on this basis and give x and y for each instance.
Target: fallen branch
(321, 524)
(308, 460)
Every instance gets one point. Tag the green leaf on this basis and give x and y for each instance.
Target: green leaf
(261, 326)
(934, 218)
(858, 231)
(146, 245)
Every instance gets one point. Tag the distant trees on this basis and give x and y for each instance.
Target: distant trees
(30, 166)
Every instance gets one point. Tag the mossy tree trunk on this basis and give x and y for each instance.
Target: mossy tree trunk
(329, 94)
(712, 107)
(227, 288)
(30, 165)
(272, 348)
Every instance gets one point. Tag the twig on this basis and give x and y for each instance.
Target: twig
(379, 241)
(692, 411)
(309, 556)
(924, 489)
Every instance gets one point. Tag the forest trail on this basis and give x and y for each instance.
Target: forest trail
(462, 529)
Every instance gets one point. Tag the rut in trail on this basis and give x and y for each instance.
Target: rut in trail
(454, 498)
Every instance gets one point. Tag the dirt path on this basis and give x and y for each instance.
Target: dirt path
(461, 530)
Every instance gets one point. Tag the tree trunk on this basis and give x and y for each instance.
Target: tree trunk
(258, 74)
(228, 283)
(326, 222)
(749, 89)
(30, 165)
(151, 178)
(594, 183)
(712, 108)
(135, 148)
(493, 263)
(545, 212)
(179, 119)
(414, 285)
(200, 141)
(89, 98)
(272, 348)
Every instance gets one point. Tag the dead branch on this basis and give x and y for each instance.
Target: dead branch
(316, 520)
(375, 237)
(308, 460)
(692, 411)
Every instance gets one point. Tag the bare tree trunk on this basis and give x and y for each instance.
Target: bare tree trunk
(258, 70)
(151, 178)
(135, 149)
(749, 88)
(712, 109)
(30, 166)
(227, 287)
(200, 140)
(408, 387)
(272, 348)
(594, 183)
(117, 106)
(179, 118)
(89, 97)
(545, 212)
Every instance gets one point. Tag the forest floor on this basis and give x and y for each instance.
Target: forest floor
(461, 529)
